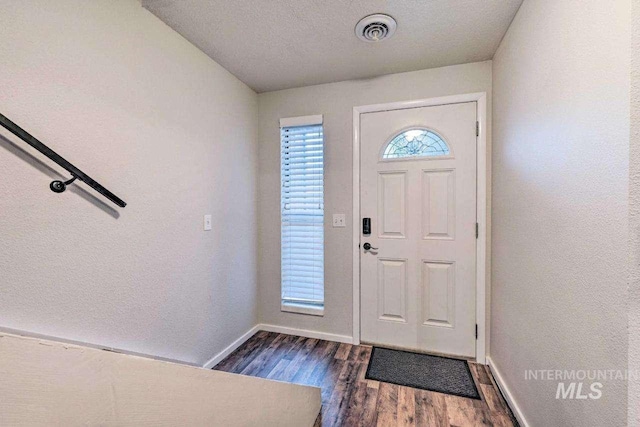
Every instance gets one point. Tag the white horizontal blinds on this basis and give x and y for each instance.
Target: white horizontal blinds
(302, 211)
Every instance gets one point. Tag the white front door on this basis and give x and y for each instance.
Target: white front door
(418, 187)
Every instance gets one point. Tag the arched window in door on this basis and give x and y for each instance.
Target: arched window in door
(416, 143)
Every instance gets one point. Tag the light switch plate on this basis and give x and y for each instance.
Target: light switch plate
(207, 223)
(339, 220)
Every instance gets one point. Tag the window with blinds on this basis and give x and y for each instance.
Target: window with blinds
(302, 212)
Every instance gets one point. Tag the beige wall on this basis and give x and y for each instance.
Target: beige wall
(634, 219)
(335, 101)
(137, 107)
(560, 204)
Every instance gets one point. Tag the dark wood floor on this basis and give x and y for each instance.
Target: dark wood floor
(350, 400)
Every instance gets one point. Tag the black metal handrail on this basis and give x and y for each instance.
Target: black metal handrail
(59, 186)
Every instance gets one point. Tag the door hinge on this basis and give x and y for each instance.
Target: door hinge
(477, 230)
(477, 128)
(476, 331)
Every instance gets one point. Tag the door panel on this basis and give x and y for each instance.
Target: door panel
(392, 290)
(418, 287)
(438, 204)
(392, 196)
(438, 290)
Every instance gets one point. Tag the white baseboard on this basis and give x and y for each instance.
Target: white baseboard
(507, 394)
(231, 348)
(306, 333)
(278, 329)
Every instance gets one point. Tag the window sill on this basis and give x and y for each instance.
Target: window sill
(302, 309)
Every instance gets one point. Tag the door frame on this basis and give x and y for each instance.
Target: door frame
(482, 214)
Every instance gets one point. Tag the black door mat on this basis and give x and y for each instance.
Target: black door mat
(423, 371)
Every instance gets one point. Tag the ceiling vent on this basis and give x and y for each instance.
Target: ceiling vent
(375, 28)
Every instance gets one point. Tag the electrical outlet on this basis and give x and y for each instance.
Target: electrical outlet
(207, 223)
(339, 220)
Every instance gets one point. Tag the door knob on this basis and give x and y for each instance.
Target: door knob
(367, 246)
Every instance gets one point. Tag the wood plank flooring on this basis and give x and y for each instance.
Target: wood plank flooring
(350, 400)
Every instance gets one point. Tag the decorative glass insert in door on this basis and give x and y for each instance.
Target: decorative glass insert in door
(416, 143)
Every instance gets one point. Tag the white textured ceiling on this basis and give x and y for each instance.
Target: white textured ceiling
(278, 44)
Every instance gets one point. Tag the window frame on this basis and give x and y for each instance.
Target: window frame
(294, 306)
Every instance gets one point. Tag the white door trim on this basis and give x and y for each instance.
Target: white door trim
(481, 215)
